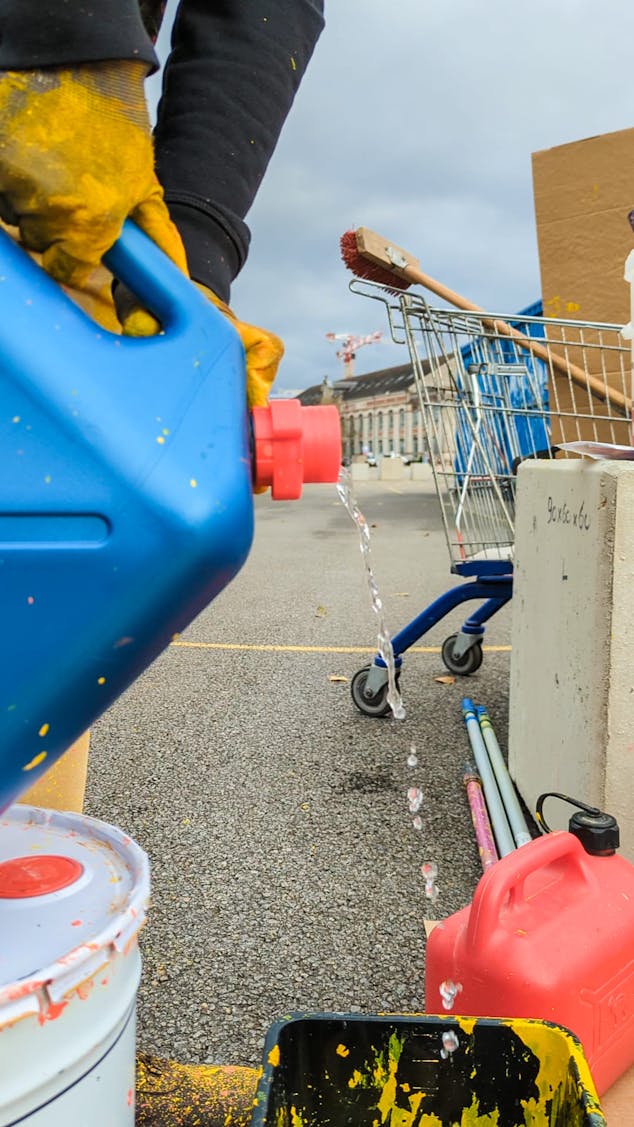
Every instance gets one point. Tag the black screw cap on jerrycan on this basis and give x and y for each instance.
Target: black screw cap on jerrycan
(598, 832)
(126, 498)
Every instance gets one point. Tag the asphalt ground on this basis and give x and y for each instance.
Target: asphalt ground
(286, 868)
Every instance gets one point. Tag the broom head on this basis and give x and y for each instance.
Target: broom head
(375, 259)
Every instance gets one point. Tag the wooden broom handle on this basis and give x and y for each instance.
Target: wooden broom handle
(576, 374)
(398, 261)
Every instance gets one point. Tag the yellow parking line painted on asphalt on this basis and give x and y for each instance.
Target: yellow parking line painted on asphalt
(269, 648)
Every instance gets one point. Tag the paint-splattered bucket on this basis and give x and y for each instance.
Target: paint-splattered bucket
(73, 896)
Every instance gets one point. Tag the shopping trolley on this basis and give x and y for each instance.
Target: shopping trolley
(493, 392)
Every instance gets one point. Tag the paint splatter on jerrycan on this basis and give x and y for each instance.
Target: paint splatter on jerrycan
(550, 935)
(126, 492)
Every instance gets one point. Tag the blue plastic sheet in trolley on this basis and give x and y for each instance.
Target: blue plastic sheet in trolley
(490, 436)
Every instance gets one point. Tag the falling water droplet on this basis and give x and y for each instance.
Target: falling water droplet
(384, 641)
(429, 870)
(415, 799)
(448, 991)
(450, 1043)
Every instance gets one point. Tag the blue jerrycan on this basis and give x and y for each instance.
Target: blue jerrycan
(125, 492)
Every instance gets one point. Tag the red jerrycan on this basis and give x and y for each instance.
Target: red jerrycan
(549, 935)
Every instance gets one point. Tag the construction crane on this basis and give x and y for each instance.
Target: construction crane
(349, 347)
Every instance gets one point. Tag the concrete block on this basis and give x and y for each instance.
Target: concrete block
(392, 469)
(572, 663)
(421, 471)
(360, 471)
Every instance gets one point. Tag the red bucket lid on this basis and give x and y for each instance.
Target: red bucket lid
(22, 877)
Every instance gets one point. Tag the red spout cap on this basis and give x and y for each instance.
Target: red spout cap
(294, 445)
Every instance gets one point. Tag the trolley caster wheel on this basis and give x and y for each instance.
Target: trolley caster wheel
(467, 663)
(376, 705)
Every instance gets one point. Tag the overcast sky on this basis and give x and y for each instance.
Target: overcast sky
(418, 119)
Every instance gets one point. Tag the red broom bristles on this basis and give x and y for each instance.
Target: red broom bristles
(361, 267)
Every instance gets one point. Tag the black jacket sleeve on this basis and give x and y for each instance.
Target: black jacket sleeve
(228, 85)
(41, 33)
(229, 82)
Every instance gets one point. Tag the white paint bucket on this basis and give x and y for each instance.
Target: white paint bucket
(73, 896)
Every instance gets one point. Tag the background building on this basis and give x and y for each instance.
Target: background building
(380, 412)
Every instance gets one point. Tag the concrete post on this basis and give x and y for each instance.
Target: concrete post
(360, 471)
(572, 662)
(422, 471)
(409, 430)
(392, 469)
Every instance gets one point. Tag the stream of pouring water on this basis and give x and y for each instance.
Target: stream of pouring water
(384, 642)
(448, 990)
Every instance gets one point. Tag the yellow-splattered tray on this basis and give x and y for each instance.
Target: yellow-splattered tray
(337, 1070)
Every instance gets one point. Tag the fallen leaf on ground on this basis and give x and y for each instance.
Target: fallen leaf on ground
(336, 677)
(446, 680)
(320, 612)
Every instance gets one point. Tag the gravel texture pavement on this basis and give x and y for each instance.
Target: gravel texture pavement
(286, 867)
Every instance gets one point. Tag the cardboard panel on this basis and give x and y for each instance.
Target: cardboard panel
(583, 193)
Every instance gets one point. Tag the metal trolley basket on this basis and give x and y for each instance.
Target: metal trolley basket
(493, 392)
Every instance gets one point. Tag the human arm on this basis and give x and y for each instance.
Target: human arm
(228, 85)
(58, 33)
(76, 154)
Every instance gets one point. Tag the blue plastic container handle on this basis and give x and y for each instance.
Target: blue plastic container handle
(125, 493)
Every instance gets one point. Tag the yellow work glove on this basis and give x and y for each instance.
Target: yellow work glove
(76, 160)
(263, 350)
